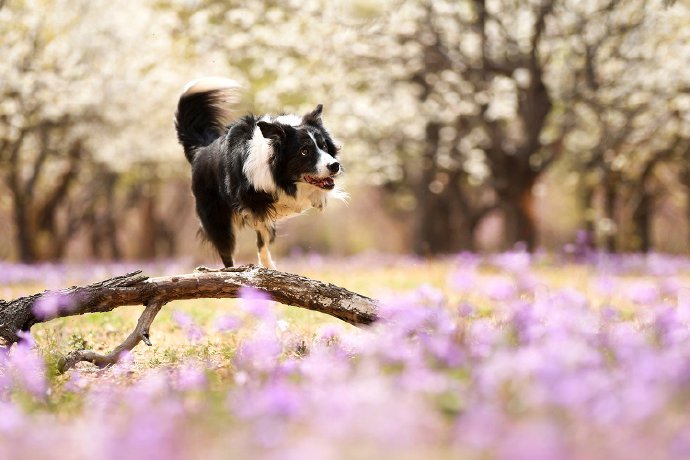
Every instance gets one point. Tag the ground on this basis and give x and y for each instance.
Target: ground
(508, 356)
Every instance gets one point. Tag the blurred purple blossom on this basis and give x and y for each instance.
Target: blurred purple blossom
(12, 418)
(260, 352)
(256, 303)
(27, 368)
(191, 376)
(514, 261)
(604, 285)
(500, 288)
(76, 382)
(643, 292)
(228, 323)
(125, 363)
(188, 325)
(51, 304)
(528, 369)
(26, 338)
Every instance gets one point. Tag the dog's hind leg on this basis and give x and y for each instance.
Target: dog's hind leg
(218, 228)
(265, 234)
(225, 245)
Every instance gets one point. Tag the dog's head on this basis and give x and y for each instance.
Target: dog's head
(303, 151)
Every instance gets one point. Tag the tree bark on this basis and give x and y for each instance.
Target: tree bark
(424, 237)
(610, 194)
(23, 231)
(642, 220)
(520, 219)
(685, 181)
(138, 289)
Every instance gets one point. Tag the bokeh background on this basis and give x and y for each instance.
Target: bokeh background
(561, 125)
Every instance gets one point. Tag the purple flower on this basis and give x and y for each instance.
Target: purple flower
(12, 419)
(260, 352)
(524, 322)
(463, 279)
(26, 338)
(500, 289)
(276, 399)
(604, 285)
(28, 369)
(256, 303)
(124, 364)
(534, 441)
(51, 304)
(76, 382)
(190, 328)
(191, 376)
(328, 334)
(643, 292)
(515, 261)
(465, 310)
(228, 323)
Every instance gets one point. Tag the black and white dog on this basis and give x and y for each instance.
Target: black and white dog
(254, 171)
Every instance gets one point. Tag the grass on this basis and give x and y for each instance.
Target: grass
(103, 331)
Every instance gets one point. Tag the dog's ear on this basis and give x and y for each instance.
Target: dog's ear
(271, 130)
(313, 117)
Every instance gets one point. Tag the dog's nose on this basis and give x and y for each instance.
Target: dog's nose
(334, 167)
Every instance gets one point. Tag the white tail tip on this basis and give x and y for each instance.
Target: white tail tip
(205, 84)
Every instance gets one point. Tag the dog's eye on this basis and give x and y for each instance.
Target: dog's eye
(304, 152)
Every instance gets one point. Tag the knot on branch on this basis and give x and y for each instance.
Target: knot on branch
(126, 280)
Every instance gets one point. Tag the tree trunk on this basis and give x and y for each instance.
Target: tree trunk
(610, 215)
(147, 246)
(109, 224)
(445, 219)
(425, 238)
(642, 220)
(441, 228)
(24, 234)
(587, 210)
(520, 223)
(685, 181)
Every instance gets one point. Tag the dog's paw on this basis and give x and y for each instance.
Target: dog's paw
(268, 266)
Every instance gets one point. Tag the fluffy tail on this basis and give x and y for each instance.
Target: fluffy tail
(203, 112)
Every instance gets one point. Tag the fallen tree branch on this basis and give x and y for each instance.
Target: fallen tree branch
(141, 332)
(138, 289)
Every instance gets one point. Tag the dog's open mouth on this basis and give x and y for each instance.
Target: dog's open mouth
(326, 183)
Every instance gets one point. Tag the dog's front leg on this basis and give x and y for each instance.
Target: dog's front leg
(265, 234)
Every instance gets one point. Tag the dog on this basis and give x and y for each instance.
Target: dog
(252, 171)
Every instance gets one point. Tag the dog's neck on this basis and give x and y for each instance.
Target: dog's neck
(307, 196)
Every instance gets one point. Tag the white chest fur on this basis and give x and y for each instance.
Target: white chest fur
(307, 196)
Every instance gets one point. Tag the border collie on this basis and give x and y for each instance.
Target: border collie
(253, 171)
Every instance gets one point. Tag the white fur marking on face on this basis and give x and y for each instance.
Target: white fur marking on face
(325, 159)
(256, 167)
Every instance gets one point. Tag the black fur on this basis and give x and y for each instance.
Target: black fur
(198, 120)
(226, 198)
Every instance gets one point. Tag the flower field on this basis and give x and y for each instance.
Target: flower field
(499, 357)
